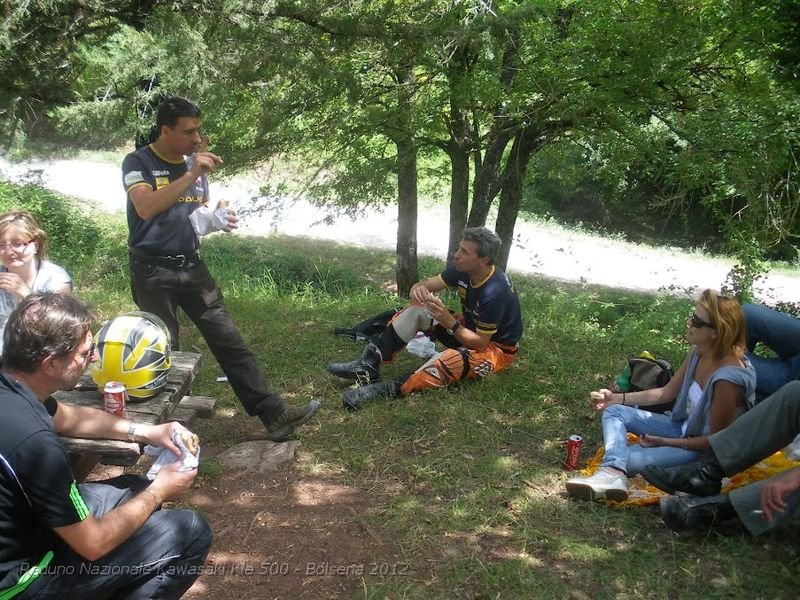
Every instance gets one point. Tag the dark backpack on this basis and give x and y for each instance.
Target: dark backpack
(644, 372)
(363, 331)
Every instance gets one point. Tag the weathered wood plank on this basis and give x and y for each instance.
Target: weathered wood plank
(185, 365)
(204, 406)
(111, 452)
(184, 416)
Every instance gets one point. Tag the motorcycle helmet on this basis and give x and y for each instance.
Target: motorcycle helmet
(133, 349)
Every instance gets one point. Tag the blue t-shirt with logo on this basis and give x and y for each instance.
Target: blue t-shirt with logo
(490, 307)
(169, 232)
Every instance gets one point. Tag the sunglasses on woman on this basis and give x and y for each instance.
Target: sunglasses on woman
(697, 322)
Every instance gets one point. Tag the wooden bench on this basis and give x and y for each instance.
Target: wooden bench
(171, 404)
(193, 407)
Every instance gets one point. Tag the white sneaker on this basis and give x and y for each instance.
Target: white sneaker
(606, 483)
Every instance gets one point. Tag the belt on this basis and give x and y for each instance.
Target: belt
(169, 261)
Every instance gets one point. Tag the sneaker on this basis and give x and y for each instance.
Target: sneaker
(606, 483)
(291, 418)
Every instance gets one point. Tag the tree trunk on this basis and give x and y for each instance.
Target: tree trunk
(406, 265)
(526, 143)
(459, 147)
(459, 195)
(487, 179)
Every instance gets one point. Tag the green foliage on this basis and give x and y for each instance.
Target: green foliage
(674, 120)
(744, 274)
(73, 236)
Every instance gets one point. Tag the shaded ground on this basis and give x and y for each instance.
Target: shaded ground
(286, 537)
(285, 534)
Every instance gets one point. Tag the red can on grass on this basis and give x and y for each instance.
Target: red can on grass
(115, 398)
(574, 444)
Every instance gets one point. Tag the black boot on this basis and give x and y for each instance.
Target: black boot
(356, 398)
(702, 478)
(364, 369)
(685, 513)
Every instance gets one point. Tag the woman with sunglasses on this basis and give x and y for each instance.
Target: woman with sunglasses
(714, 385)
(23, 268)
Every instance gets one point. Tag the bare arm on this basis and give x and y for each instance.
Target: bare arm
(86, 422)
(149, 202)
(94, 537)
(422, 290)
(603, 398)
(727, 396)
(13, 283)
(467, 338)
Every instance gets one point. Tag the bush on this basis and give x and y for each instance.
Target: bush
(74, 237)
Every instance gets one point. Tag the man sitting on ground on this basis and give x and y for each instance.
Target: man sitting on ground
(761, 506)
(91, 540)
(483, 340)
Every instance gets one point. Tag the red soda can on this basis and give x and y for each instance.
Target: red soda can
(574, 444)
(115, 398)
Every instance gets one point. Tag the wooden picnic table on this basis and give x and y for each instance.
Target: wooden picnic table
(171, 404)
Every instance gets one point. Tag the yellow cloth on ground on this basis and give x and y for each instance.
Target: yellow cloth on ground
(641, 493)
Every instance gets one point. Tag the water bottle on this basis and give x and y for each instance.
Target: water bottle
(421, 345)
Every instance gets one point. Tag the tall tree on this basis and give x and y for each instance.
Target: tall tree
(367, 91)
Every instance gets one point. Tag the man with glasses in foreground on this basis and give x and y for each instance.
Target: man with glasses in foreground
(760, 506)
(90, 540)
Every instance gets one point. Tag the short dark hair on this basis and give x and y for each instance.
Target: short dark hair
(173, 108)
(487, 240)
(44, 325)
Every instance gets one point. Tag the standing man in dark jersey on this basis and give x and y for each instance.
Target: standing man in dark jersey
(482, 340)
(166, 182)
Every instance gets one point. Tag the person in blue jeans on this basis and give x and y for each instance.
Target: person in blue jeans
(780, 333)
(713, 386)
(761, 506)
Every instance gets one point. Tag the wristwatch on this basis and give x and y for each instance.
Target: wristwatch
(452, 330)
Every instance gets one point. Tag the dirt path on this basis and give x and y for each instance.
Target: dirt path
(539, 249)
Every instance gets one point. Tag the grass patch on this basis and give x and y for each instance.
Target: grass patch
(467, 481)
(470, 478)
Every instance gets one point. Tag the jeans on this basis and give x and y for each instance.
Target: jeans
(161, 290)
(618, 420)
(160, 561)
(781, 334)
